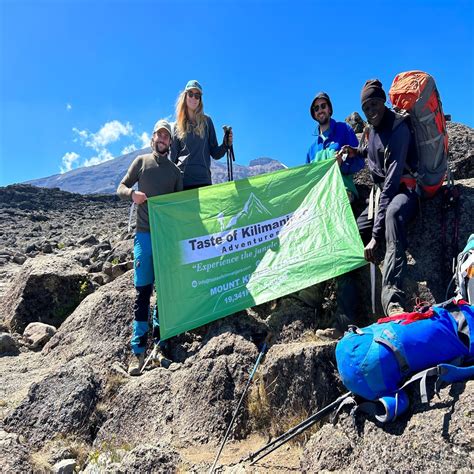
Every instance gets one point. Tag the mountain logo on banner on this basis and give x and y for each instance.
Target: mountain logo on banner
(252, 207)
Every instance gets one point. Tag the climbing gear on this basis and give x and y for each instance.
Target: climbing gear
(372, 286)
(259, 358)
(415, 93)
(296, 430)
(229, 152)
(132, 207)
(381, 360)
(464, 273)
(451, 204)
(137, 364)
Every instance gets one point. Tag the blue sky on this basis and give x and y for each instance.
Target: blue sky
(81, 81)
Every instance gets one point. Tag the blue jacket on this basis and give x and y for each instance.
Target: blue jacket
(340, 134)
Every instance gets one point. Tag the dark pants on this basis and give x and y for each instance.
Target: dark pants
(141, 312)
(401, 210)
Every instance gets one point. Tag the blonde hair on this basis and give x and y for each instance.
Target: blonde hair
(183, 124)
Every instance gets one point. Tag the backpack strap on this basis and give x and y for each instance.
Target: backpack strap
(401, 359)
(449, 373)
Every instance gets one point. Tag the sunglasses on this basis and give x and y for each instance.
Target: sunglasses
(322, 107)
(196, 95)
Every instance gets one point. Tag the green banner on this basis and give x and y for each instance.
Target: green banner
(230, 246)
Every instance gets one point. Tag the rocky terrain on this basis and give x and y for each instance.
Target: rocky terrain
(67, 403)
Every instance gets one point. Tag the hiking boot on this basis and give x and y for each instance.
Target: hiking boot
(394, 309)
(136, 365)
(330, 333)
(158, 358)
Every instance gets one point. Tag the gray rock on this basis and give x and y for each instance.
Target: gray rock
(120, 269)
(63, 403)
(148, 458)
(98, 278)
(96, 267)
(46, 247)
(100, 327)
(7, 253)
(47, 289)
(8, 345)
(38, 334)
(66, 466)
(193, 404)
(121, 252)
(435, 438)
(100, 249)
(19, 258)
(356, 122)
(31, 248)
(107, 268)
(294, 374)
(14, 453)
(89, 240)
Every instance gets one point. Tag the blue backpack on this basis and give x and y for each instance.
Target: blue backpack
(379, 361)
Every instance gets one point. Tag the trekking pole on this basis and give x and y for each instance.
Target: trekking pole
(259, 358)
(152, 354)
(229, 152)
(295, 431)
(132, 207)
(372, 286)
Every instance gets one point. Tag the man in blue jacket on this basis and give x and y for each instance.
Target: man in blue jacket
(331, 137)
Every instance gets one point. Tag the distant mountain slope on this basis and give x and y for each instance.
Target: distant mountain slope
(104, 178)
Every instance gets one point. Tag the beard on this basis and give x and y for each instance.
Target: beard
(161, 148)
(323, 120)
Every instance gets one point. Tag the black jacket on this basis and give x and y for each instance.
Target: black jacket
(391, 154)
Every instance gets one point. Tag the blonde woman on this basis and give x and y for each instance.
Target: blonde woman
(194, 138)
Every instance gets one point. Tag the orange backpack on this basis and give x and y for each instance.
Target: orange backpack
(415, 93)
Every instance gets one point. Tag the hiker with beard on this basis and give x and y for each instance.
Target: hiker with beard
(391, 153)
(194, 139)
(331, 137)
(155, 175)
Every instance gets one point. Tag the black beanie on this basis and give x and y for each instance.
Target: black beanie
(320, 95)
(372, 90)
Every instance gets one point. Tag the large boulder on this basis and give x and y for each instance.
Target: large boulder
(47, 289)
(299, 378)
(63, 403)
(192, 402)
(432, 439)
(99, 329)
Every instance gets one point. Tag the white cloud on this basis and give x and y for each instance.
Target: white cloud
(128, 149)
(83, 134)
(145, 138)
(104, 155)
(68, 107)
(109, 133)
(68, 160)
